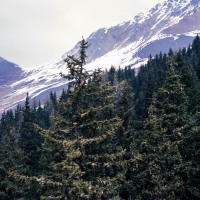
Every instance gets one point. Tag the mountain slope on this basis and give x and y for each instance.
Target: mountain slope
(174, 23)
(170, 24)
(38, 82)
(9, 73)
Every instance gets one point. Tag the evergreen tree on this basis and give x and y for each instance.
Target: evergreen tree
(91, 157)
(111, 75)
(63, 96)
(161, 172)
(191, 154)
(53, 99)
(42, 117)
(196, 55)
(30, 140)
(11, 159)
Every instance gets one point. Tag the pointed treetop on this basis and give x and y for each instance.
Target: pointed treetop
(83, 46)
(27, 106)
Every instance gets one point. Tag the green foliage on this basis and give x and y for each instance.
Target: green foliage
(163, 170)
(11, 158)
(86, 131)
(119, 134)
(29, 139)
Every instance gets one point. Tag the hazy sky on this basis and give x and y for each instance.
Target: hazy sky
(35, 32)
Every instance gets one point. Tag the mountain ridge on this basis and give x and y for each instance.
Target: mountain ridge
(171, 24)
(143, 30)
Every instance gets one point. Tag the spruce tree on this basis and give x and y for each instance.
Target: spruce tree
(89, 163)
(191, 154)
(161, 172)
(30, 140)
(11, 159)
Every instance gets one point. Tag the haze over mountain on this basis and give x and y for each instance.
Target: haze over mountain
(173, 23)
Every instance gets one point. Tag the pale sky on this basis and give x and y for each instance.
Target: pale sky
(36, 32)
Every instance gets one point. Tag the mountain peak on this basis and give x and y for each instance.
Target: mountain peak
(169, 20)
(171, 24)
(2, 60)
(9, 72)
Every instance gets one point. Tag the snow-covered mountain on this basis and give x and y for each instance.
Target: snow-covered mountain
(10, 73)
(173, 23)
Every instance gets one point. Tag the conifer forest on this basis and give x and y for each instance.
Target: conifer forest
(119, 134)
